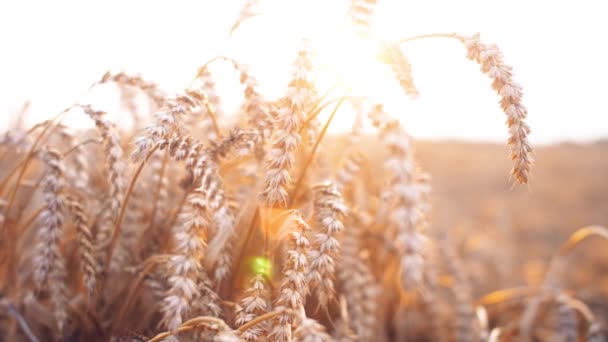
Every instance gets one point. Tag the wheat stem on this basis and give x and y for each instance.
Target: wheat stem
(51, 123)
(430, 35)
(123, 208)
(313, 151)
(204, 67)
(149, 265)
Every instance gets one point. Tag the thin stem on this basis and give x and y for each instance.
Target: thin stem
(260, 319)
(581, 235)
(317, 110)
(503, 295)
(75, 147)
(430, 35)
(29, 221)
(11, 173)
(574, 240)
(211, 112)
(32, 218)
(149, 265)
(25, 328)
(228, 304)
(313, 151)
(117, 225)
(194, 323)
(204, 319)
(322, 97)
(164, 335)
(240, 21)
(204, 67)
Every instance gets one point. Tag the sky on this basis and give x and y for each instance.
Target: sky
(51, 52)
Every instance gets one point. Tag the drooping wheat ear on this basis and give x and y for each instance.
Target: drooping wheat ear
(85, 241)
(401, 66)
(309, 330)
(490, 58)
(361, 12)
(48, 254)
(151, 89)
(289, 119)
(169, 119)
(254, 304)
(294, 287)
(249, 9)
(184, 266)
(357, 282)
(329, 211)
(404, 196)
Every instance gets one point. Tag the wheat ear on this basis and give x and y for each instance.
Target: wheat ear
(329, 210)
(85, 242)
(254, 304)
(294, 287)
(491, 60)
(289, 120)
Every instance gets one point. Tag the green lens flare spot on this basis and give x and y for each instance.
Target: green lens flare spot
(261, 265)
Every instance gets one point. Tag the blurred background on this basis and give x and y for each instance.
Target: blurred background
(53, 51)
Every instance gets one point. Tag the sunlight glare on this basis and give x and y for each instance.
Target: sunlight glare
(351, 61)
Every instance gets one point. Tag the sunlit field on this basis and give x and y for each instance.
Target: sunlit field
(291, 202)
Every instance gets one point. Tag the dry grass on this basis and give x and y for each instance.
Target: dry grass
(255, 225)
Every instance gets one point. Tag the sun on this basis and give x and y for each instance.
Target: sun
(343, 57)
(351, 62)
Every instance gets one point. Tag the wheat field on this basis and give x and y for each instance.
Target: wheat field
(194, 223)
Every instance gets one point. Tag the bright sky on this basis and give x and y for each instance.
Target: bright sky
(51, 51)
